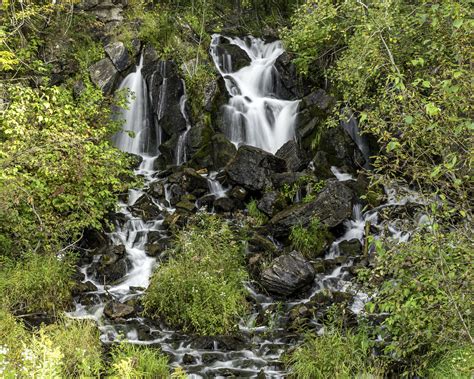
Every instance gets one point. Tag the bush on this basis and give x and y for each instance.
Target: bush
(79, 343)
(200, 288)
(137, 362)
(310, 241)
(332, 355)
(426, 297)
(37, 283)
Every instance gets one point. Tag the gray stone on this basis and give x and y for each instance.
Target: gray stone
(119, 56)
(287, 274)
(252, 167)
(222, 151)
(115, 310)
(104, 75)
(332, 206)
(295, 157)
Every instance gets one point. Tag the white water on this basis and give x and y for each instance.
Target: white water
(254, 115)
(181, 145)
(215, 187)
(134, 136)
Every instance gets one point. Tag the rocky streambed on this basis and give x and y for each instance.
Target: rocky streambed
(191, 167)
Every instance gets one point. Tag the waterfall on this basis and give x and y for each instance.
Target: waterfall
(181, 145)
(134, 137)
(254, 115)
(215, 187)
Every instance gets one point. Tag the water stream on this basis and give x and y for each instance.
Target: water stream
(255, 115)
(259, 119)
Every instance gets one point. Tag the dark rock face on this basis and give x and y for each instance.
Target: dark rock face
(115, 310)
(336, 148)
(190, 181)
(104, 75)
(118, 54)
(252, 167)
(111, 269)
(287, 274)
(351, 248)
(268, 204)
(295, 157)
(239, 57)
(332, 206)
(291, 86)
(224, 204)
(222, 151)
(286, 178)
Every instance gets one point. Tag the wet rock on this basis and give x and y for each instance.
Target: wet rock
(270, 203)
(83, 287)
(224, 204)
(287, 274)
(291, 88)
(352, 248)
(189, 359)
(190, 181)
(318, 101)
(208, 358)
(115, 310)
(104, 75)
(222, 151)
(111, 269)
(336, 148)
(119, 56)
(156, 189)
(252, 167)
(295, 157)
(332, 206)
(145, 208)
(239, 57)
(224, 343)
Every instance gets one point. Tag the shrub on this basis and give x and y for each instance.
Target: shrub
(200, 288)
(457, 362)
(12, 336)
(425, 295)
(310, 241)
(332, 355)
(137, 362)
(37, 283)
(79, 343)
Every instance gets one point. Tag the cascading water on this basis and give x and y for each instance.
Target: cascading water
(181, 145)
(135, 135)
(254, 115)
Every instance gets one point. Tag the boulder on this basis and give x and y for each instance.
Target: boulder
(156, 189)
(290, 86)
(111, 269)
(331, 206)
(222, 151)
(352, 248)
(145, 208)
(287, 274)
(295, 157)
(185, 205)
(190, 181)
(119, 56)
(116, 310)
(279, 180)
(104, 75)
(252, 167)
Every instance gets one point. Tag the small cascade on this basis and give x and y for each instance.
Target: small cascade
(182, 140)
(215, 187)
(255, 115)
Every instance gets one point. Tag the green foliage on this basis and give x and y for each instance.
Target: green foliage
(59, 173)
(200, 288)
(68, 349)
(333, 355)
(137, 362)
(79, 343)
(310, 241)
(257, 216)
(36, 283)
(426, 295)
(405, 68)
(457, 362)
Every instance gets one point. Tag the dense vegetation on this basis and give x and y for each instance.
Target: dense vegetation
(201, 288)
(401, 68)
